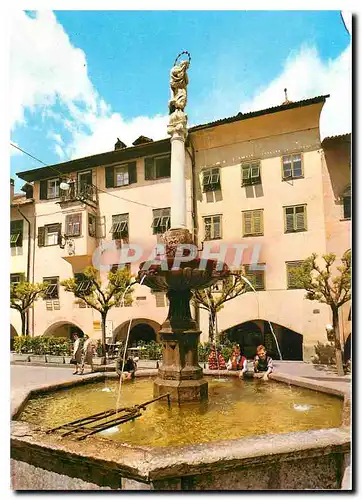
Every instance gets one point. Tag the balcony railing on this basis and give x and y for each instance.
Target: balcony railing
(79, 191)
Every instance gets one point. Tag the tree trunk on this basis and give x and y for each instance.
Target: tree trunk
(337, 342)
(103, 323)
(23, 323)
(211, 325)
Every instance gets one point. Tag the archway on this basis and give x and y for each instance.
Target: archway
(63, 329)
(13, 334)
(141, 329)
(252, 333)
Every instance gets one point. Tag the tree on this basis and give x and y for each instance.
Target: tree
(327, 287)
(22, 297)
(213, 298)
(88, 290)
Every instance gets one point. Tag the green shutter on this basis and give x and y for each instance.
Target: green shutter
(59, 234)
(257, 221)
(247, 223)
(109, 177)
(43, 190)
(41, 236)
(289, 219)
(149, 169)
(300, 218)
(132, 172)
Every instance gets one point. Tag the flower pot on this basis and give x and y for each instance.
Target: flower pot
(37, 358)
(67, 359)
(15, 356)
(97, 361)
(52, 358)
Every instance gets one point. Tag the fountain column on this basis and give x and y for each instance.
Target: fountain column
(178, 184)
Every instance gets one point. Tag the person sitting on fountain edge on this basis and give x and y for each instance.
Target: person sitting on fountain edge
(237, 361)
(216, 360)
(129, 369)
(263, 364)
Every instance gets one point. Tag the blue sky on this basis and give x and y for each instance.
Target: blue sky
(81, 79)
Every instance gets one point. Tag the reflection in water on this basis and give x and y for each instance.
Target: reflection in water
(234, 409)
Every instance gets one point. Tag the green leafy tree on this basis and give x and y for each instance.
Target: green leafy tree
(325, 285)
(22, 297)
(90, 291)
(212, 299)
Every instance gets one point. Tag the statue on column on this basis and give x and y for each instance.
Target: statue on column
(176, 105)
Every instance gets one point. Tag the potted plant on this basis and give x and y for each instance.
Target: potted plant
(38, 349)
(67, 351)
(57, 348)
(97, 360)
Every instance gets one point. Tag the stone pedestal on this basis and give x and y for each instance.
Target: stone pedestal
(180, 374)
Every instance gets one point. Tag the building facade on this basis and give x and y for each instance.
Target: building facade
(263, 180)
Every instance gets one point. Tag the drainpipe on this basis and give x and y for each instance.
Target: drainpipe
(195, 232)
(28, 265)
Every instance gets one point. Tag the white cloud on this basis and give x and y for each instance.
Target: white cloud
(305, 75)
(15, 151)
(46, 70)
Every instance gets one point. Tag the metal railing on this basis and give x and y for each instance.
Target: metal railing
(79, 191)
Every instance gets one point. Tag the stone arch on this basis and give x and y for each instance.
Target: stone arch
(249, 334)
(149, 326)
(63, 329)
(13, 334)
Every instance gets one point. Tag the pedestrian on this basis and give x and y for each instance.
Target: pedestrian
(87, 354)
(263, 364)
(77, 354)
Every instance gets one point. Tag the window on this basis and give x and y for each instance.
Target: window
(256, 277)
(53, 188)
(73, 225)
(52, 292)
(16, 278)
(122, 176)
(49, 235)
(115, 267)
(292, 166)
(295, 218)
(211, 179)
(16, 233)
(161, 220)
(250, 173)
(84, 180)
(292, 282)
(119, 227)
(253, 223)
(83, 284)
(161, 299)
(347, 203)
(212, 227)
(92, 225)
(157, 168)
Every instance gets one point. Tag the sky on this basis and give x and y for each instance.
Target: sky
(80, 79)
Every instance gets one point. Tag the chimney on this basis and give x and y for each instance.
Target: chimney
(286, 97)
(119, 144)
(12, 183)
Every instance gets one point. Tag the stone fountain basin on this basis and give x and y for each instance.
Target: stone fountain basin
(171, 274)
(313, 459)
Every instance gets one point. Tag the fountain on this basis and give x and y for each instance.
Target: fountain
(180, 374)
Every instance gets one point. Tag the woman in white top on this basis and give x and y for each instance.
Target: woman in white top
(77, 354)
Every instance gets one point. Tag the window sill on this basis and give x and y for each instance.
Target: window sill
(53, 245)
(251, 184)
(71, 236)
(345, 218)
(213, 239)
(297, 231)
(16, 246)
(292, 178)
(252, 235)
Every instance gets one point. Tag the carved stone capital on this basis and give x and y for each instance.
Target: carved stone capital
(174, 237)
(177, 126)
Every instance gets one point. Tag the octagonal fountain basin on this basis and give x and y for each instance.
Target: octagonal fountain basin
(235, 409)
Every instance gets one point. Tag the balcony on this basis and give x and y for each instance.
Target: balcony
(80, 192)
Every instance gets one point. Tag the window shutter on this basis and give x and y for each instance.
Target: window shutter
(289, 219)
(247, 220)
(149, 170)
(59, 234)
(132, 172)
(43, 190)
(300, 218)
(41, 236)
(257, 221)
(109, 171)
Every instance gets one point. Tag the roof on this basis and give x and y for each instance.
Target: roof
(151, 148)
(267, 111)
(20, 199)
(337, 138)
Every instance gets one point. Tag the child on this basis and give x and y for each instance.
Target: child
(263, 364)
(237, 361)
(216, 360)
